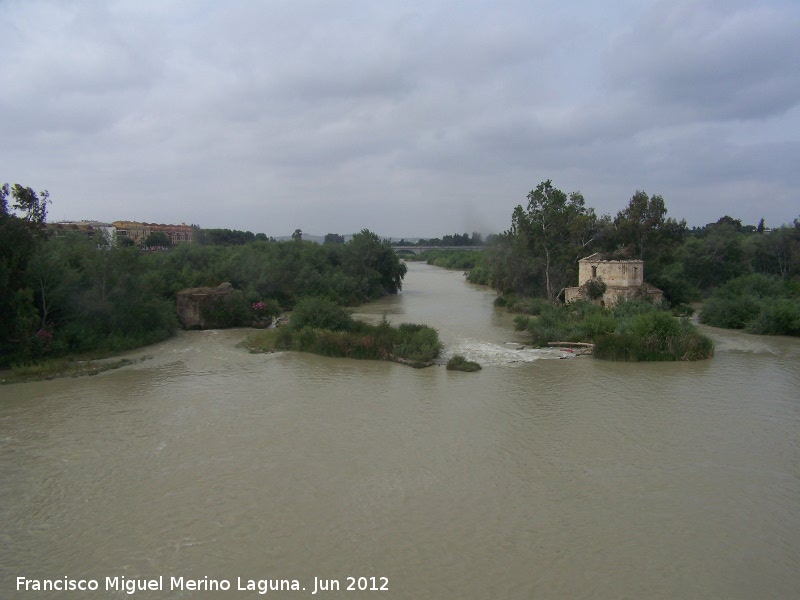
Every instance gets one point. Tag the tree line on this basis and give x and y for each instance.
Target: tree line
(67, 294)
(538, 256)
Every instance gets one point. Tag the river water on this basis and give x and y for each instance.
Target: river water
(535, 477)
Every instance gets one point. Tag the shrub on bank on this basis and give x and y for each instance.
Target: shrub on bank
(759, 303)
(654, 343)
(634, 330)
(780, 316)
(320, 313)
(521, 304)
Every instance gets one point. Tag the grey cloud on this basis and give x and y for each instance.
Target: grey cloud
(712, 59)
(316, 114)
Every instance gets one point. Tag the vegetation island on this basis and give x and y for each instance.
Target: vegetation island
(74, 291)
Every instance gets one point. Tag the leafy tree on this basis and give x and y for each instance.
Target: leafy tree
(297, 235)
(374, 264)
(19, 239)
(776, 252)
(639, 220)
(556, 229)
(225, 237)
(714, 256)
(333, 238)
(28, 202)
(157, 239)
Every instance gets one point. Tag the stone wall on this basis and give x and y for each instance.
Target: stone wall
(624, 279)
(615, 273)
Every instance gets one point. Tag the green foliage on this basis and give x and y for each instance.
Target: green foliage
(319, 313)
(33, 207)
(521, 304)
(228, 310)
(459, 363)
(594, 288)
(634, 330)
(639, 220)
(333, 238)
(779, 316)
(157, 239)
(686, 343)
(545, 241)
(225, 237)
(759, 303)
(67, 294)
(730, 313)
(452, 259)
(479, 273)
(373, 264)
(417, 344)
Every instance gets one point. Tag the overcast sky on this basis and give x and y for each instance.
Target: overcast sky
(409, 118)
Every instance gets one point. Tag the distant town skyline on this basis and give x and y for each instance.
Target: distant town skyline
(407, 119)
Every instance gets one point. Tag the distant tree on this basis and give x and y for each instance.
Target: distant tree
(297, 235)
(223, 237)
(125, 242)
(157, 239)
(760, 227)
(334, 238)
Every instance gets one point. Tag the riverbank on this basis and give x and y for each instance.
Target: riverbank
(62, 367)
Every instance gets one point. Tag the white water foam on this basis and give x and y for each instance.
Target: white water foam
(487, 353)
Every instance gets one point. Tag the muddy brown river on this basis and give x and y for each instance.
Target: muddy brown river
(203, 471)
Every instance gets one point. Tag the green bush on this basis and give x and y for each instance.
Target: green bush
(780, 316)
(594, 288)
(730, 312)
(522, 304)
(758, 303)
(416, 343)
(655, 324)
(459, 363)
(229, 310)
(632, 331)
(599, 323)
(320, 313)
(685, 345)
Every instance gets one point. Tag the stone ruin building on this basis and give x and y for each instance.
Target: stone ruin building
(624, 279)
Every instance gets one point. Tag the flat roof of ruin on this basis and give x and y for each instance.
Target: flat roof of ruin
(598, 257)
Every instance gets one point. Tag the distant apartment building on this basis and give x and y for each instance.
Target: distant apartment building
(138, 232)
(87, 228)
